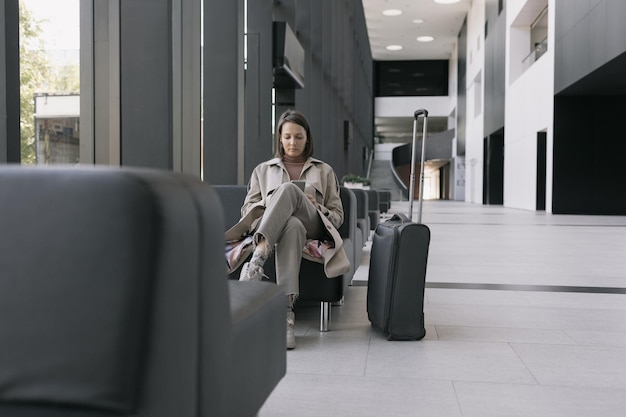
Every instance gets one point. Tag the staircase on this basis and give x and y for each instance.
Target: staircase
(382, 177)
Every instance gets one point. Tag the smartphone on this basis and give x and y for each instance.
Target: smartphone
(300, 184)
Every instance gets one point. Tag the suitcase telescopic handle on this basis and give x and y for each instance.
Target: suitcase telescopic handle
(420, 112)
(417, 113)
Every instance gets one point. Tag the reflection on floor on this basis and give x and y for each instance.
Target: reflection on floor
(525, 316)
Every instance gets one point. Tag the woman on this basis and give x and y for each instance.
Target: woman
(284, 216)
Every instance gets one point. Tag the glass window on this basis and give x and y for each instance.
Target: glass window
(49, 81)
(539, 34)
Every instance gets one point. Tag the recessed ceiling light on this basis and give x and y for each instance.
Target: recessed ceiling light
(392, 12)
(446, 1)
(425, 39)
(394, 47)
(418, 21)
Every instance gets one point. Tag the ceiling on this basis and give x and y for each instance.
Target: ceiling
(441, 21)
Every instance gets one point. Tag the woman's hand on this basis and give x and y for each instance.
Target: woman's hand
(312, 200)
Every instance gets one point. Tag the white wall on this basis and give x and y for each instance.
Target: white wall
(474, 131)
(529, 108)
(383, 151)
(458, 162)
(405, 106)
(453, 75)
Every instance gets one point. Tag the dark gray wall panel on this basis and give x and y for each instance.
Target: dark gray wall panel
(615, 27)
(9, 82)
(581, 56)
(493, 171)
(303, 25)
(461, 103)
(590, 61)
(258, 89)
(338, 79)
(105, 79)
(597, 36)
(588, 34)
(146, 66)
(221, 98)
(338, 85)
(395, 78)
(495, 49)
(588, 175)
(607, 80)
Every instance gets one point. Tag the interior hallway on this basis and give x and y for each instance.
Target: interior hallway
(525, 316)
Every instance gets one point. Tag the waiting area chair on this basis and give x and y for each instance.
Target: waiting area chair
(362, 213)
(114, 300)
(373, 201)
(384, 200)
(314, 286)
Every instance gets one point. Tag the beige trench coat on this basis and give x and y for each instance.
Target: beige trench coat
(320, 182)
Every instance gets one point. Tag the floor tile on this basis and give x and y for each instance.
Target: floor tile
(476, 297)
(509, 400)
(504, 335)
(306, 395)
(446, 360)
(580, 366)
(325, 354)
(598, 338)
(523, 317)
(577, 300)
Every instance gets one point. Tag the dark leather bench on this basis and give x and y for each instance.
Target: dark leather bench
(115, 301)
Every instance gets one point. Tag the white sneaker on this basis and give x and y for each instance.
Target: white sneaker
(249, 273)
(291, 337)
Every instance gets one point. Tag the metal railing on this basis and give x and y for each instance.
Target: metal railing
(539, 49)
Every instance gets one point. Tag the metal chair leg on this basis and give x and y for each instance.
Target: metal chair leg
(339, 303)
(324, 316)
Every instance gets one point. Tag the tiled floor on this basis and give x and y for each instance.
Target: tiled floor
(544, 334)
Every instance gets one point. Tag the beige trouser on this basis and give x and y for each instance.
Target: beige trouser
(289, 220)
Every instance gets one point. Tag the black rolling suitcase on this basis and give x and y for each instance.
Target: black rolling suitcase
(397, 272)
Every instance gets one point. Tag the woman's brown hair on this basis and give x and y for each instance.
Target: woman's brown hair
(298, 118)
